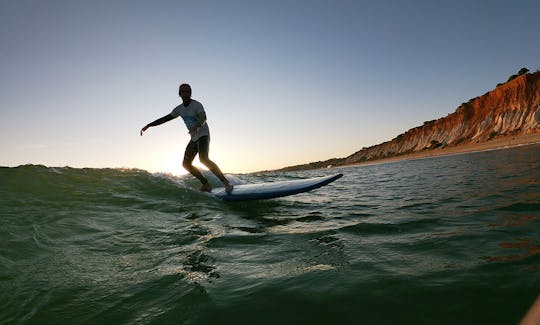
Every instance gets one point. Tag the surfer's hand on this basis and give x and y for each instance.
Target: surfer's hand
(144, 129)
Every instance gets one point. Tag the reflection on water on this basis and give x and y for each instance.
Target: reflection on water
(525, 248)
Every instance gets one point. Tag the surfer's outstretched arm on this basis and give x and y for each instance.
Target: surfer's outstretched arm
(157, 122)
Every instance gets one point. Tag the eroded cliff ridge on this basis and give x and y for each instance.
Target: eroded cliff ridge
(512, 108)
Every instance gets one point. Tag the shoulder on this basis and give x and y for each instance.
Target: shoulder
(177, 110)
(196, 104)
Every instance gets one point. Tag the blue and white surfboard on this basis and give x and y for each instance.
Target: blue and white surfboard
(271, 190)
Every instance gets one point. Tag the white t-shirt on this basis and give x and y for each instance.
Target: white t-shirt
(189, 115)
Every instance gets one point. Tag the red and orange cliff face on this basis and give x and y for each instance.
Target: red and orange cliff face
(510, 109)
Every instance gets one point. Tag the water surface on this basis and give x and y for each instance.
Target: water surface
(443, 240)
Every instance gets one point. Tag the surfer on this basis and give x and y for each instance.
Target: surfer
(194, 116)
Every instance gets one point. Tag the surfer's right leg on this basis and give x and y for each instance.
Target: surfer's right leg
(191, 151)
(203, 149)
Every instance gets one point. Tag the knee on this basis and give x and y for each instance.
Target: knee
(186, 164)
(205, 161)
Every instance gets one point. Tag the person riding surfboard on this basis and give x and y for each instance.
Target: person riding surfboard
(194, 116)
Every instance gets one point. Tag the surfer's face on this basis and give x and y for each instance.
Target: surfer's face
(185, 93)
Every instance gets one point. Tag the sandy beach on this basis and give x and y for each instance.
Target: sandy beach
(494, 144)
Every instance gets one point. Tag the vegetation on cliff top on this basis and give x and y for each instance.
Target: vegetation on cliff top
(521, 71)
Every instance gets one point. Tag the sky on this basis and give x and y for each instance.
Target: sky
(283, 82)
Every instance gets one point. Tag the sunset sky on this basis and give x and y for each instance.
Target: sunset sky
(282, 82)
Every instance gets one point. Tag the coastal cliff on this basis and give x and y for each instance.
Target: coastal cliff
(511, 109)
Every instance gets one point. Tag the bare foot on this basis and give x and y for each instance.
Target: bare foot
(206, 188)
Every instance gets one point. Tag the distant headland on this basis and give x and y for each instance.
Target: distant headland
(508, 115)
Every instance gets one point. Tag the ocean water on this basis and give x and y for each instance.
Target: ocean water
(448, 240)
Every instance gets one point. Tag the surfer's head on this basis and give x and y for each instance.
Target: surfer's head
(184, 91)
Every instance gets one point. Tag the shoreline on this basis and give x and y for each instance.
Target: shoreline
(502, 142)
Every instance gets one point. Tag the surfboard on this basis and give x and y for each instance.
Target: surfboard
(262, 191)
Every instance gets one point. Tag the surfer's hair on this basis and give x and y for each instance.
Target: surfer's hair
(184, 85)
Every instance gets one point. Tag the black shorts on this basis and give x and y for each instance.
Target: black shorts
(200, 146)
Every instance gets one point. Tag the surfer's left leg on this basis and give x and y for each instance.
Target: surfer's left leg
(191, 151)
(203, 148)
